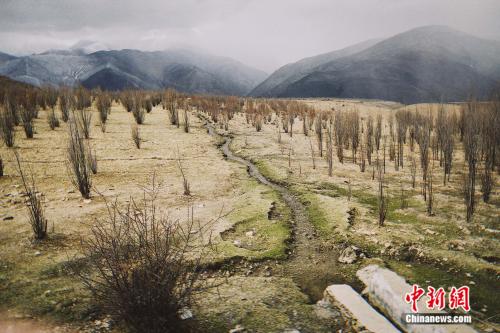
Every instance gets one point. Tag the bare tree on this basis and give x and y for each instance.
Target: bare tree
(489, 132)
(319, 134)
(382, 200)
(430, 195)
(312, 154)
(378, 131)
(369, 139)
(413, 170)
(471, 142)
(329, 149)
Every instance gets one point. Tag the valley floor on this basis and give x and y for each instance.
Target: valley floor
(277, 244)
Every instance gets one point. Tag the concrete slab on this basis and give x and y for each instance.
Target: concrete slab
(354, 306)
(386, 290)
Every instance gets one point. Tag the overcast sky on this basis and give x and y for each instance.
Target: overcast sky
(262, 33)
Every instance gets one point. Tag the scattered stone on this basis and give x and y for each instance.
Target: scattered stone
(185, 313)
(238, 329)
(237, 243)
(250, 233)
(348, 256)
(324, 310)
(87, 201)
(430, 232)
(456, 244)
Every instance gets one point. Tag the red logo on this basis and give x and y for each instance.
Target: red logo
(459, 298)
(436, 298)
(414, 296)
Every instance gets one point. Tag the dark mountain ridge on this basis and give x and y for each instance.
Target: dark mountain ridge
(424, 64)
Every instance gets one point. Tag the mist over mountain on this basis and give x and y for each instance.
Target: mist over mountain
(430, 63)
(182, 69)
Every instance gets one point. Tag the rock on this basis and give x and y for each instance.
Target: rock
(8, 218)
(250, 233)
(185, 313)
(324, 310)
(353, 306)
(38, 253)
(456, 244)
(430, 232)
(87, 201)
(291, 330)
(237, 329)
(348, 256)
(237, 243)
(71, 191)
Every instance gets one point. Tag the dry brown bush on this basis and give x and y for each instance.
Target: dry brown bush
(33, 202)
(145, 267)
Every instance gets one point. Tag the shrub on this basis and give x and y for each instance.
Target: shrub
(92, 160)
(138, 112)
(33, 203)
(186, 121)
(27, 116)
(52, 119)
(136, 136)
(103, 104)
(78, 161)
(148, 105)
(185, 183)
(84, 119)
(7, 130)
(65, 105)
(145, 267)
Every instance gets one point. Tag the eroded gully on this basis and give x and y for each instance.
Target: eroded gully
(312, 262)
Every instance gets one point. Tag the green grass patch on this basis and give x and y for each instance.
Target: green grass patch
(270, 236)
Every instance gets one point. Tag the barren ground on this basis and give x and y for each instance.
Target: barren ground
(264, 252)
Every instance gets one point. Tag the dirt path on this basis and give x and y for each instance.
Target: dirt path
(310, 264)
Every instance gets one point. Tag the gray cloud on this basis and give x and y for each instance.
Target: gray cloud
(262, 33)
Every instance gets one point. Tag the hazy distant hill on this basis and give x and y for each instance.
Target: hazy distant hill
(286, 75)
(423, 64)
(184, 70)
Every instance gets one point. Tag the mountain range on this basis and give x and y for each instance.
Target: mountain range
(184, 70)
(432, 63)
